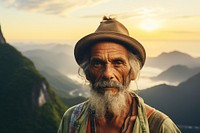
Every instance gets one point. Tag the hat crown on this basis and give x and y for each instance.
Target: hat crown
(113, 31)
(111, 25)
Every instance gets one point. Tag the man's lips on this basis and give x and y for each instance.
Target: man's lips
(108, 89)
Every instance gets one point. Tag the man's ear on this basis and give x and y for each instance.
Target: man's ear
(132, 74)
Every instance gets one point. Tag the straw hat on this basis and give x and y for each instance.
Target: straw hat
(113, 31)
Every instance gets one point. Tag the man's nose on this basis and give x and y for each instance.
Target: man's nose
(108, 72)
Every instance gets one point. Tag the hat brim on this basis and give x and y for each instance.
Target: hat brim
(83, 45)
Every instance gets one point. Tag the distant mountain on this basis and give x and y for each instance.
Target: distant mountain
(62, 48)
(28, 104)
(64, 86)
(60, 61)
(181, 103)
(166, 60)
(52, 47)
(177, 73)
(55, 62)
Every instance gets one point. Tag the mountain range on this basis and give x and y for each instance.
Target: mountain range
(166, 60)
(60, 61)
(28, 103)
(180, 102)
(177, 73)
(56, 62)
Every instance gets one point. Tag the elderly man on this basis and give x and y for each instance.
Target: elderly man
(111, 59)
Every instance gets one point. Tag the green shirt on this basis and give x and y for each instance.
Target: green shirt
(156, 123)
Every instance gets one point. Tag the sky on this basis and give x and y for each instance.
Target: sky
(160, 25)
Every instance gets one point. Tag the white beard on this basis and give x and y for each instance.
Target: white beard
(102, 103)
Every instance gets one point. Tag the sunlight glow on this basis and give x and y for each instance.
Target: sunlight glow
(149, 24)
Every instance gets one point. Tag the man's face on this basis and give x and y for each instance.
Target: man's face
(109, 62)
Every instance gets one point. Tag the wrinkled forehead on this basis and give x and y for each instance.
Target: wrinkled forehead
(108, 48)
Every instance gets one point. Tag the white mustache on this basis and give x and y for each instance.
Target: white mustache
(107, 84)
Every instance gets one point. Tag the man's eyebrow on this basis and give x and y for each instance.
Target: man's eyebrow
(118, 58)
(112, 58)
(93, 59)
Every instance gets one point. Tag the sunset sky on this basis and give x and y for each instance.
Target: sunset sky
(160, 25)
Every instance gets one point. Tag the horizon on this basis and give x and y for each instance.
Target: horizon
(151, 46)
(175, 25)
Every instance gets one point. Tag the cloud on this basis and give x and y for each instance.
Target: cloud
(137, 13)
(186, 17)
(121, 15)
(57, 7)
(180, 32)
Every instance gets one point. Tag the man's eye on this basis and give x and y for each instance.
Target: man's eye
(118, 62)
(96, 63)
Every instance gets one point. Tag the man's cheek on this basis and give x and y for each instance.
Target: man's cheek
(94, 76)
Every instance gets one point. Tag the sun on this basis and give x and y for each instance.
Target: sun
(149, 25)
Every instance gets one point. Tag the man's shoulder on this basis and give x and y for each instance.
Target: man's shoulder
(160, 122)
(70, 116)
(157, 117)
(75, 109)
